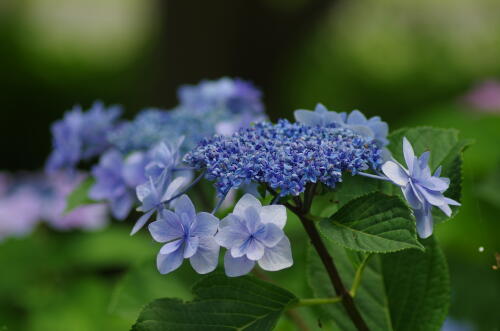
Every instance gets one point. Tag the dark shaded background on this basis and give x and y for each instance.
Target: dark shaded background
(408, 62)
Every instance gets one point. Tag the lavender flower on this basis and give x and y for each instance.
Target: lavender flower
(284, 156)
(372, 128)
(81, 135)
(421, 189)
(116, 180)
(253, 233)
(186, 235)
(19, 212)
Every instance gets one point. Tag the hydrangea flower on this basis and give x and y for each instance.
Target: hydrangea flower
(284, 156)
(19, 212)
(164, 157)
(187, 235)
(373, 128)
(116, 180)
(148, 128)
(153, 195)
(81, 135)
(421, 189)
(233, 95)
(252, 233)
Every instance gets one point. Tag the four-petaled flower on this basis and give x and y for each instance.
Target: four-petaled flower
(186, 235)
(253, 233)
(421, 189)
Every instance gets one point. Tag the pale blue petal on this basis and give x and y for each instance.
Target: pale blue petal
(206, 257)
(206, 225)
(235, 267)
(270, 236)
(183, 205)
(277, 258)
(245, 202)
(356, 118)
(171, 247)
(170, 262)
(141, 222)
(437, 173)
(190, 246)
(452, 202)
(307, 117)
(252, 219)
(433, 197)
(166, 228)
(423, 160)
(255, 250)
(408, 153)
(395, 173)
(425, 222)
(232, 235)
(275, 214)
(410, 196)
(121, 206)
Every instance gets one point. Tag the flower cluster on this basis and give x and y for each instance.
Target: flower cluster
(251, 234)
(81, 135)
(285, 156)
(25, 200)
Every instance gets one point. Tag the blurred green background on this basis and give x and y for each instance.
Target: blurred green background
(411, 62)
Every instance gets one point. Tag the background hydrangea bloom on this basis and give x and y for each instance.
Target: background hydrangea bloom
(116, 180)
(421, 189)
(373, 127)
(285, 156)
(252, 233)
(186, 235)
(81, 135)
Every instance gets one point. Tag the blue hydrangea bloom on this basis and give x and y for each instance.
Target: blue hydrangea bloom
(81, 135)
(421, 189)
(252, 233)
(187, 235)
(116, 180)
(148, 128)
(373, 128)
(285, 156)
(232, 95)
(164, 157)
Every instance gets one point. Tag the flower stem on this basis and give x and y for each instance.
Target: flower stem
(357, 277)
(374, 176)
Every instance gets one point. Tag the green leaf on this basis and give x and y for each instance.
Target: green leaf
(374, 223)
(80, 195)
(220, 303)
(418, 287)
(446, 150)
(408, 290)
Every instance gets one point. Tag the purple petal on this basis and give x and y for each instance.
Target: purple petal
(170, 262)
(141, 222)
(235, 267)
(445, 209)
(206, 225)
(206, 257)
(275, 214)
(277, 258)
(176, 186)
(423, 160)
(452, 202)
(245, 202)
(395, 173)
(437, 173)
(435, 183)
(410, 196)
